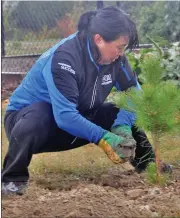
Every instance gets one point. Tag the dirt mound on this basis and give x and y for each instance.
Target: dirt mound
(115, 194)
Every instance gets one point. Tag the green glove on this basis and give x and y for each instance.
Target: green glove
(123, 130)
(117, 148)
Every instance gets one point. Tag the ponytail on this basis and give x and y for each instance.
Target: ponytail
(85, 20)
(110, 23)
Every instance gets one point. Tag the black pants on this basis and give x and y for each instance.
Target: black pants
(33, 130)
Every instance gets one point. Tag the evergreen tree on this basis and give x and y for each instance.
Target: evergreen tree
(32, 15)
(157, 107)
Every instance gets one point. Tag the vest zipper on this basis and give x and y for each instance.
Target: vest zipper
(125, 71)
(94, 88)
(94, 94)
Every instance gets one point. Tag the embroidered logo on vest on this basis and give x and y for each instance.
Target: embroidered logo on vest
(66, 67)
(106, 79)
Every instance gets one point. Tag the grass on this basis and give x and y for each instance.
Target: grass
(24, 48)
(88, 159)
(170, 149)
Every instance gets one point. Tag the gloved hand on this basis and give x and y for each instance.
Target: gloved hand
(122, 130)
(117, 148)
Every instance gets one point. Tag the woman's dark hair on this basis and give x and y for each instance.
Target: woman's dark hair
(109, 22)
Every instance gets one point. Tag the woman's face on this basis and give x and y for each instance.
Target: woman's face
(110, 51)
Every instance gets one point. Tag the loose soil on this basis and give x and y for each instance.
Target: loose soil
(114, 194)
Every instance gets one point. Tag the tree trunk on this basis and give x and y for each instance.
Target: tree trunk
(157, 156)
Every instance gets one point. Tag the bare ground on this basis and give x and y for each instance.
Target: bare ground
(114, 194)
(118, 193)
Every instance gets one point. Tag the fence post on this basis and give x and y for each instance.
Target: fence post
(118, 4)
(100, 4)
(2, 31)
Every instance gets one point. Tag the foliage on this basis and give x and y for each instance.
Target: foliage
(169, 61)
(153, 18)
(152, 21)
(6, 20)
(157, 107)
(68, 23)
(159, 19)
(33, 14)
(171, 64)
(34, 21)
(159, 22)
(136, 57)
(66, 26)
(172, 17)
(148, 74)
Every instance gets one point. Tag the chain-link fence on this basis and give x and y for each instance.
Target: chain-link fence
(28, 28)
(31, 27)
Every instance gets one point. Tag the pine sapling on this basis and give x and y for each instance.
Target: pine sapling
(156, 106)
